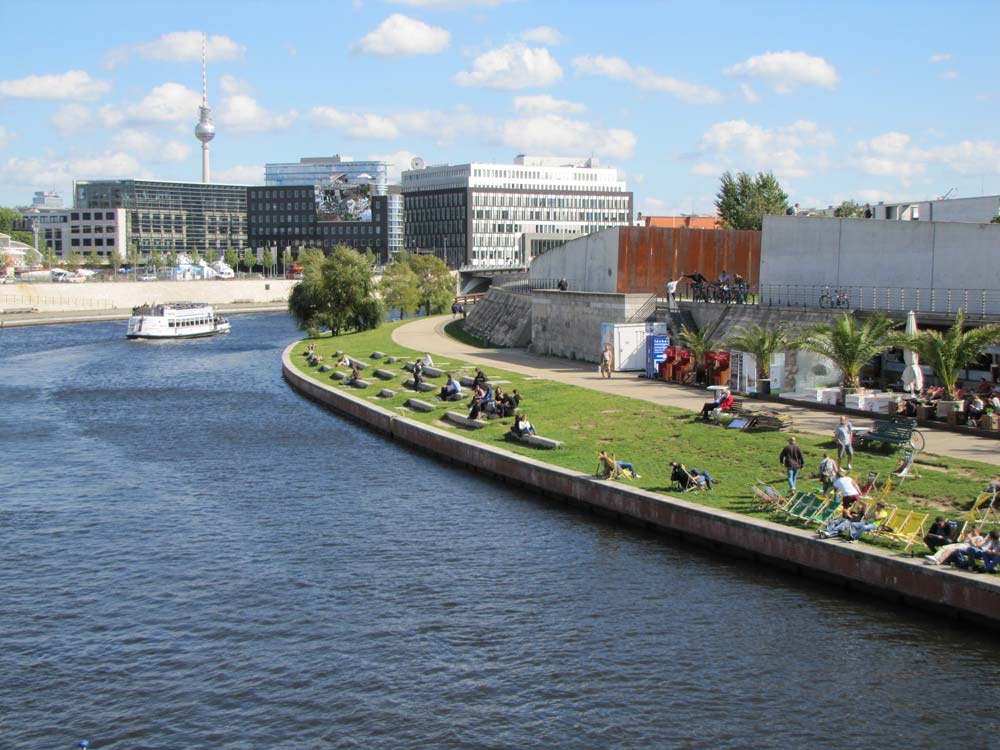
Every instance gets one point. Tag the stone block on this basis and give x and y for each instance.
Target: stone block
(424, 387)
(386, 393)
(535, 441)
(417, 405)
(384, 374)
(337, 375)
(463, 421)
(377, 355)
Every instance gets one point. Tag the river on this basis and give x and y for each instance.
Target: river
(193, 556)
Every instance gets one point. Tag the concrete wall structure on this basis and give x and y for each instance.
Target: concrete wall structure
(977, 210)
(888, 574)
(501, 318)
(640, 260)
(882, 255)
(568, 324)
(112, 295)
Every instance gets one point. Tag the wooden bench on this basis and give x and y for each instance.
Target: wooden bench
(463, 421)
(384, 374)
(417, 405)
(423, 387)
(535, 441)
(889, 432)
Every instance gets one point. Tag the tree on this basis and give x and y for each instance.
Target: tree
(400, 286)
(699, 343)
(156, 259)
(268, 260)
(249, 259)
(339, 293)
(172, 258)
(312, 256)
(743, 201)
(763, 342)
(230, 258)
(93, 259)
(849, 210)
(74, 261)
(134, 256)
(286, 260)
(434, 282)
(49, 257)
(195, 257)
(949, 352)
(849, 344)
(995, 220)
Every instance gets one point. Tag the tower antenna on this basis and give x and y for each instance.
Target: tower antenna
(204, 131)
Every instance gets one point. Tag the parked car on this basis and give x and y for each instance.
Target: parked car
(148, 277)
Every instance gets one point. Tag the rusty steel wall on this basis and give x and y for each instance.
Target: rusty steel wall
(648, 257)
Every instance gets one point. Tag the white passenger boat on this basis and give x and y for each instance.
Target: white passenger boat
(176, 320)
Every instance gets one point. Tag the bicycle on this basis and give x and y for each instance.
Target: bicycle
(834, 298)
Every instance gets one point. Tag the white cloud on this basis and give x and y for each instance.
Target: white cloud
(749, 94)
(950, 75)
(401, 35)
(940, 57)
(48, 172)
(639, 179)
(707, 169)
(745, 146)
(150, 147)
(166, 103)
(356, 125)
(179, 46)
(893, 154)
(545, 104)
(397, 162)
(240, 175)
(75, 85)
(619, 69)
(231, 86)
(242, 113)
(513, 66)
(71, 118)
(787, 70)
(551, 134)
(541, 35)
(175, 151)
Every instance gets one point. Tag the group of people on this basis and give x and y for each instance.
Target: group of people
(975, 546)
(728, 289)
(792, 458)
(457, 309)
(855, 518)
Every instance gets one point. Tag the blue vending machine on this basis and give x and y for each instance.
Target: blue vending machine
(656, 344)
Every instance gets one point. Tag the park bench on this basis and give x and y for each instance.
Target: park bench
(423, 387)
(384, 374)
(463, 421)
(417, 405)
(357, 363)
(734, 409)
(535, 441)
(889, 432)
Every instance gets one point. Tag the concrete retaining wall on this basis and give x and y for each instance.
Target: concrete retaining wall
(501, 318)
(890, 575)
(568, 324)
(125, 295)
(590, 262)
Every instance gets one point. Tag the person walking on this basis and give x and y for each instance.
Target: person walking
(792, 459)
(606, 362)
(844, 435)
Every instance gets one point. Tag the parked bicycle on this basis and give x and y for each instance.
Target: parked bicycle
(834, 298)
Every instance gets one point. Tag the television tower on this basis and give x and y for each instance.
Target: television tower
(205, 130)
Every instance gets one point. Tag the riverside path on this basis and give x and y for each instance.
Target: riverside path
(428, 335)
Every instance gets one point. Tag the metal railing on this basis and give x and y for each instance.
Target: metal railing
(977, 303)
(527, 285)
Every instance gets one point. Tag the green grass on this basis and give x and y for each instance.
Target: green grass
(650, 435)
(456, 329)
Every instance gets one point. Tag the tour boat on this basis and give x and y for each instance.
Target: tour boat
(175, 320)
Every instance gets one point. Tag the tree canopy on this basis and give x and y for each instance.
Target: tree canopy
(435, 283)
(400, 286)
(338, 292)
(744, 200)
(762, 342)
(849, 210)
(849, 343)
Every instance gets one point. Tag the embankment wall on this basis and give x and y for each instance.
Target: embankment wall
(887, 574)
(568, 324)
(501, 318)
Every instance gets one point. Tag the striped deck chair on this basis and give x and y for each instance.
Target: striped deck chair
(767, 498)
(796, 503)
(828, 511)
(906, 526)
(809, 506)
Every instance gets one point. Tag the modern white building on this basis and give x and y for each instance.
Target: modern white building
(483, 214)
(322, 171)
(980, 209)
(67, 231)
(46, 199)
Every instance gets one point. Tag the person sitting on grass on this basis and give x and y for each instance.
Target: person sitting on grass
(988, 552)
(686, 478)
(872, 522)
(849, 514)
(522, 426)
(355, 374)
(345, 361)
(507, 403)
(938, 535)
(451, 391)
(426, 360)
(974, 538)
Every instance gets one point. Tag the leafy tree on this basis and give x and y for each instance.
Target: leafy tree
(849, 343)
(338, 292)
(115, 260)
(195, 257)
(312, 256)
(74, 261)
(700, 343)
(995, 220)
(849, 210)
(172, 258)
(156, 259)
(400, 286)
(286, 260)
(762, 342)
(8, 216)
(230, 258)
(434, 282)
(268, 260)
(743, 201)
(93, 259)
(949, 352)
(249, 259)
(134, 256)
(49, 257)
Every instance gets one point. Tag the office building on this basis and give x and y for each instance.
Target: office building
(46, 199)
(69, 230)
(504, 214)
(188, 217)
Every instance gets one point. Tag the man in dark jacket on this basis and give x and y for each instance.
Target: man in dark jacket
(792, 459)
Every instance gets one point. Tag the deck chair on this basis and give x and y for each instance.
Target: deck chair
(608, 469)
(766, 498)
(906, 526)
(810, 505)
(905, 468)
(984, 509)
(870, 484)
(797, 504)
(828, 511)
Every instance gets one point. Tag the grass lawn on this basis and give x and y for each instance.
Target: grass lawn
(647, 435)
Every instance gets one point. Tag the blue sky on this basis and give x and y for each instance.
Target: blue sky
(873, 101)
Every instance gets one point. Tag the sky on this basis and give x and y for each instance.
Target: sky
(863, 101)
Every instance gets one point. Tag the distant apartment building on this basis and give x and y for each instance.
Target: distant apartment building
(169, 217)
(68, 230)
(978, 210)
(504, 214)
(334, 173)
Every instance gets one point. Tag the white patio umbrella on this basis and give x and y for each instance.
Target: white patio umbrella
(913, 376)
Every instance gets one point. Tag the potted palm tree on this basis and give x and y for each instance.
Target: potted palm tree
(850, 344)
(763, 342)
(949, 352)
(699, 343)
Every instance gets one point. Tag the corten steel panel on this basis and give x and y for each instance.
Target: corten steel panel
(649, 257)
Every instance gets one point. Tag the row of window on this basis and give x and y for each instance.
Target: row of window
(524, 200)
(97, 242)
(92, 215)
(96, 229)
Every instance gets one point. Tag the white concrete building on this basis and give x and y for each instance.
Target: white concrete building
(81, 231)
(978, 210)
(484, 214)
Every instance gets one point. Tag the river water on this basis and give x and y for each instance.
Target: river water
(195, 557)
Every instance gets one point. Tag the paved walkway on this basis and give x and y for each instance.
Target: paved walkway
(427, 335)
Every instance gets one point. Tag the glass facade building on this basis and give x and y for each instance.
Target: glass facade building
(498, 214)
(164, 216)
